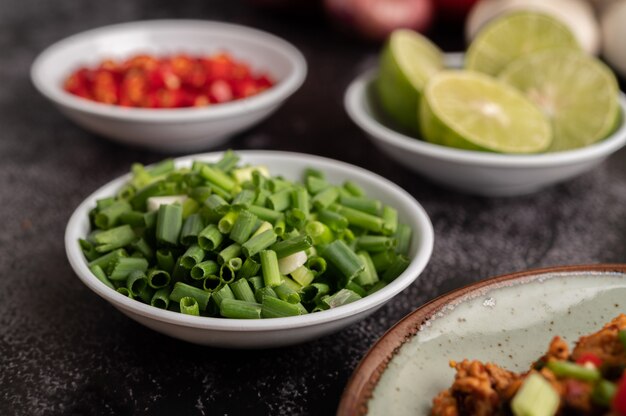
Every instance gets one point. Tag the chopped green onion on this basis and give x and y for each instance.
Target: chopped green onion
(107, 261)
(403, 237)
(242, 291)
(189, 306)
(258, 243)
(356, 289)
(191, 228)
(100, 275)
(570, 370)
(375, 243)
(136, 282)
(280, 200)
(286, 293)
(210, 238)
(396, 269)
(316, 185)
(226, 223)
(293, 245)
(218, 178)
(536, 397)
(368, 276)
(370, 206)
(244, 199)
(325, 198)
(343, 297)
(303, 276)
(344, 259)
(227, 273)
(249, 268)
(290, 263)
(182, 290)
(233, 250)
(165, 259)
(269, 266)
(333, 220)
(192, 256)
(169, 224)
(264, 291)
(161, 298)
(316, 264)
(361, 219)
(353, 189)
(158, 279)
(256, 282)
(223, 293)
(277, 308)
(243, 227)
(239, 309)
(265, 214)
(390, 220)
(114, 238)
(124, 266)
(202, 270)
(110, 215)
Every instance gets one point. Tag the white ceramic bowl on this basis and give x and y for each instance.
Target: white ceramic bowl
(474, 172)
(265, 332)
(177, 130)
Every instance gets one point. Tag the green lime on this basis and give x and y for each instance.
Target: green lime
(470, 110)
(578, 93)
(513, 35)
(407, 62)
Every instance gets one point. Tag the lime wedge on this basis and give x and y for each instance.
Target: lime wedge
(513, 35)
(407, 62)
(470, 110)
(578, 93)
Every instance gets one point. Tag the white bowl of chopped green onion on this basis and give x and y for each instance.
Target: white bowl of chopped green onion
(170, 129)
(252, 249)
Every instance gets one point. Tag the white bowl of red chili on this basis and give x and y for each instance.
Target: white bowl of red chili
(279, 65)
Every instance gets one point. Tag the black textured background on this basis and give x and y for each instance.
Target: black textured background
(63, 350)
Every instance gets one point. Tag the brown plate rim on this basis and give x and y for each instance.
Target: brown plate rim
(365, 377)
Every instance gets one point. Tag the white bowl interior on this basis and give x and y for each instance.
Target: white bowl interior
(291, 166)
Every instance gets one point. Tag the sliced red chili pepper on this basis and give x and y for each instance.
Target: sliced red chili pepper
(589, 357)
(619, 400)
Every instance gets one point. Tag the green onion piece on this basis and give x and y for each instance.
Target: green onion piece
(223, 293)
(255, 174)
(280, 200)
(150, 219)
(276, 184)
(314, 292)
(210, 238)
(228, 161)
(603, 393)
(190, 207)
(192, 257)
(277, 308)
(262, 228)
(88, 249)
(622, 337)
(295, 218)
(261, 198)
(368, 276)
(165, 259)
(264, 291)
(235, 263)
(243, 227)
(265, 214)
(161, 298)
(316, 185)
(319, 232)
(114, 238)
(100, 275)
(244, 199)
(124, 266)
(567, 369)
(107, 261)
(353, 189)
(110, 215)
(201, 270)
(249, 268)
(290, 263)
(316, 264)
(259, 242)
(135, 219)
(300, 200)
(314, 172)
(182, 290)
(293, 245)
(212, 283)
(191, 228)
(303, 276)
(227, 273)
(233, 250)
(269, 267)
(397, 267)
(242, 291)
(139, 200)
(226, 223)
(169, 224)
(144, 248)
(359, 290)
(369, 206)
(383, 260)
(103, 203)
(536, 397)
(217, 190)
(180, 273)
(239, 309)
(286, 293)
(325, 198)
(343, 258)
(360, 219)
(189, 306)
(200, 193)
(375, 243)
(280, 226)
(256, 282)
(217, 204)
(136, 282)
(158, 279)
(377, 286)
(333, 220)
(403, 237)
(343, 297)
(390, 220)
(124, 291)
(218, 178)
(163, 167)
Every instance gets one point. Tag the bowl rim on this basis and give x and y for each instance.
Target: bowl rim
(367, 374)
(354, 103)
(276, 93)
(425, 235)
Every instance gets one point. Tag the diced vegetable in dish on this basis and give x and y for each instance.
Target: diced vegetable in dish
(591, 380)
(219, 239)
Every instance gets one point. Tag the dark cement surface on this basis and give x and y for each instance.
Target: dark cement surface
(65, 351)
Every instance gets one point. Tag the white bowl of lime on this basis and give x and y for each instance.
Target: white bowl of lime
(475, 172)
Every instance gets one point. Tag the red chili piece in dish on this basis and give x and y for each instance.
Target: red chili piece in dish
(173, 81)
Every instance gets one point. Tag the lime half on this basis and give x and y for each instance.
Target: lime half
(407, 62)
(578, 93)
(474, 111)
(514, 35)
